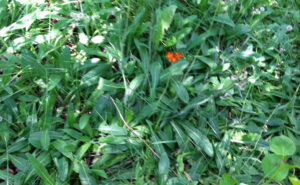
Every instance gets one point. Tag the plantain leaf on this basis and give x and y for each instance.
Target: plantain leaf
(200, 139)
(40, 169)
(84, 175)
(181, 91)
(45, 139)
(83, 121)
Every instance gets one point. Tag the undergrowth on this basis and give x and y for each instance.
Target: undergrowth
(225, 111)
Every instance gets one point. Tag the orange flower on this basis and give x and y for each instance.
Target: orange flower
(173, 58)
(178, 55)
(169, 55)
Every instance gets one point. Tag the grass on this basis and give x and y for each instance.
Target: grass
(70, 70)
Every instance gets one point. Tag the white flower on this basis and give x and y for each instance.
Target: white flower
(1, 118)
(289, 27)
(262, 9)
(97, 39)
(95, 60)
(282, 50)
(257, 11)
(83, 38)
(77, 16)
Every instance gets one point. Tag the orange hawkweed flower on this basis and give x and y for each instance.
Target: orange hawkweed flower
(178, 55)
(169, 55)
(173, 58)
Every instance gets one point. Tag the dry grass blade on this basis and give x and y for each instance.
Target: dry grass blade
(141, 139)
(131, 130)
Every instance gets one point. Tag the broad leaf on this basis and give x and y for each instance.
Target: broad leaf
(282, 145)
(84, 175)
(274, 167)
(40, 169)
(200, 139)
(45, 139)
(164, 19)
(181, 91)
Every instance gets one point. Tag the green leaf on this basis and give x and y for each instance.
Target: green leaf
(107, 85)
(155, 71)
(21, 163)
(282, 145)
(83, 121)
(228, 180)
(144, 54)
(91, 78)
(270, 122)
(24, 22)
(133, 86)
(12, 106)
(181, 138)
(164, 163)
(62, 168)
(60, 145)
(180, 163)
(4, 175)
(200, 139)
(70, 115)
(113, 140)
(108, 160)
(101, 103)
(146, 111)
(45, 139)
(136, 22)
(197, 40)
(176, 37)
(167, 16)
(211, 63)
(113, 129)
(190, 19)
(136, 82)
(294, 180)
(16, 146)
(174, 70)
(239, 29)
(164, 19)
(82, 150)
(99, 173)
(274, 167)
(181, 91)
(53, 82)
(44, 159)
(164, 166)
(224, 19)
(40, 169)
(84, 175)
(73, 133)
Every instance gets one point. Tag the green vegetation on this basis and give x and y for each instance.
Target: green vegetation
(87, 95)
